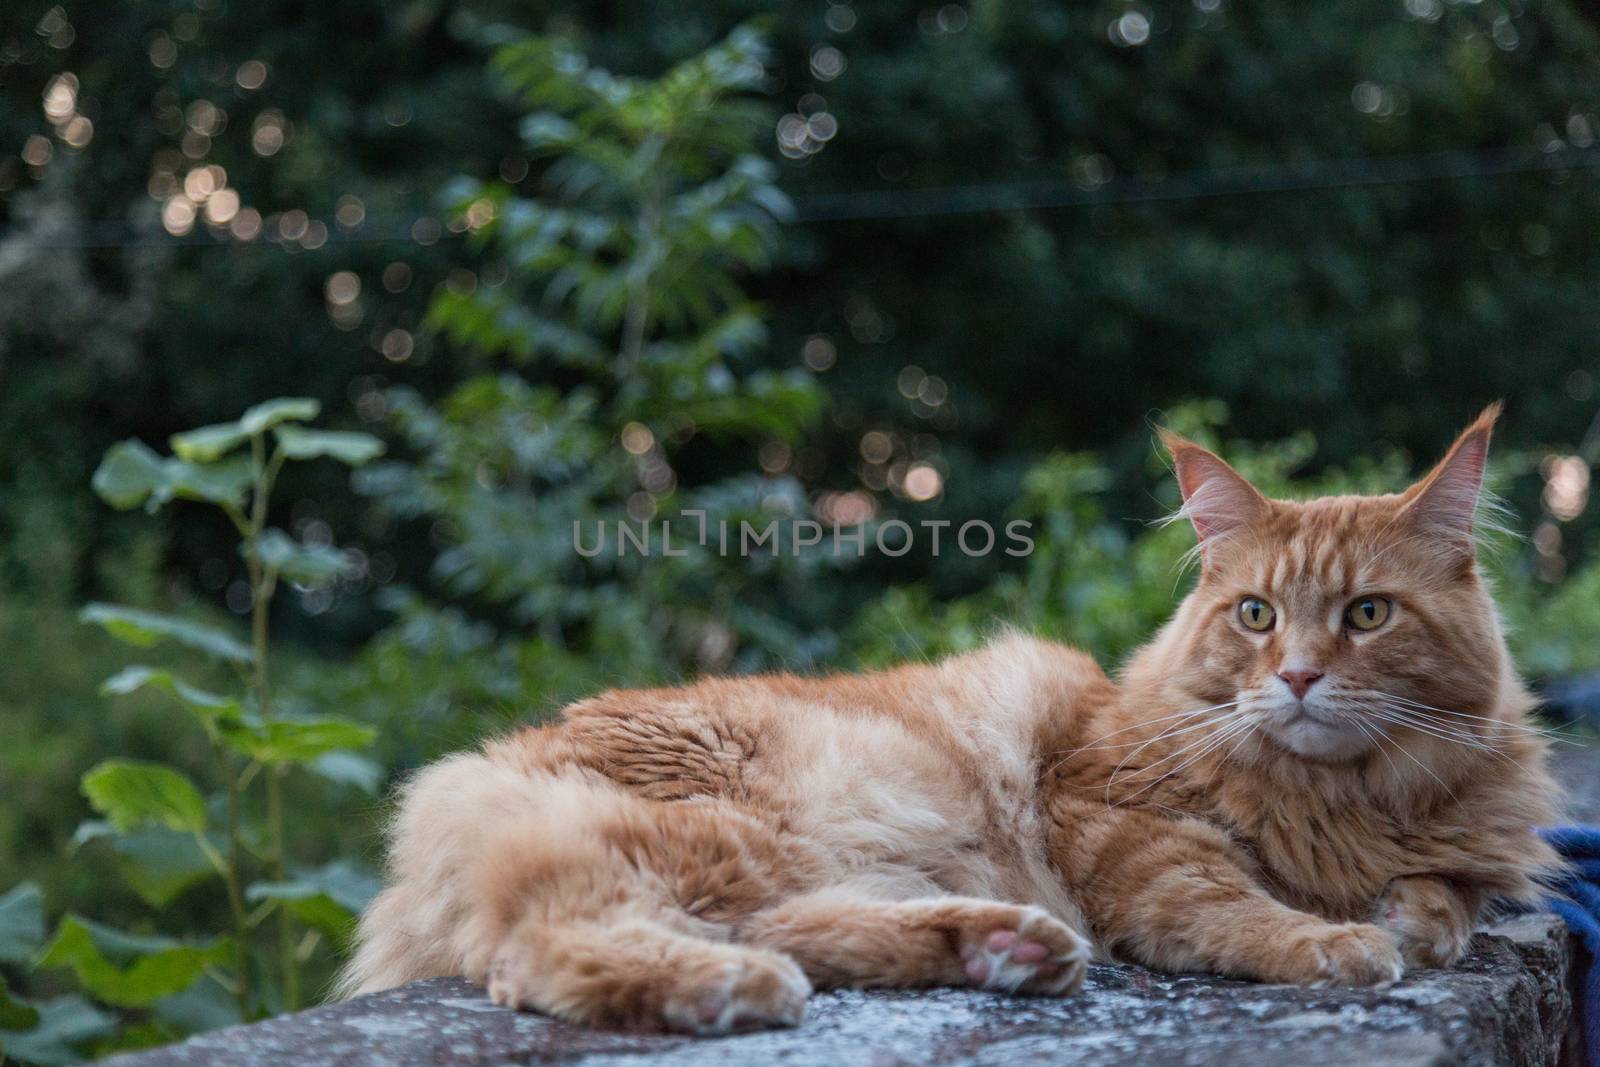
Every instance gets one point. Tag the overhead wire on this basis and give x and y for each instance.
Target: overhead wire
(885, 205)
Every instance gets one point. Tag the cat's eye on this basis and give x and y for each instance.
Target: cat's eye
(1367, 613)
(1256, 614)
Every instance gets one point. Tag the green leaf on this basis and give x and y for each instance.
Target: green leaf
(328, 898)
(147, 628)
(131, 474)
(284, 409)
(21, 923)
(296, 740)
(352, 448)
(209, 443)
(301, 563)
(128, 474)
(129, 970)
(223, 482)
(133, 794)
(161, 864)
(209, 706)
(65, 1023)
(15, 1014)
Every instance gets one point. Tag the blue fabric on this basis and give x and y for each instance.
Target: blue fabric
(1578, 902)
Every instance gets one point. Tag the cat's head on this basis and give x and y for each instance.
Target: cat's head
(1337, 622)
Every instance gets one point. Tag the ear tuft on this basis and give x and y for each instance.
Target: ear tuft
(1446, 500)
(1216, 498)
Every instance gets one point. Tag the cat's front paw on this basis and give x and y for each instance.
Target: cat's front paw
(1025, 950)
(1429, 917)
(1338, 954)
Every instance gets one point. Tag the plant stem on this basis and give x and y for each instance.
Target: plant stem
(262, 584)
(291, 967)
(230, 875)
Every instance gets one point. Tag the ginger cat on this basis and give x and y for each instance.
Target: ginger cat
(1319, 771)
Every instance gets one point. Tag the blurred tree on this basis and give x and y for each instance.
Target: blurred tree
(619, 292)
(178, 193)
(1373, 313)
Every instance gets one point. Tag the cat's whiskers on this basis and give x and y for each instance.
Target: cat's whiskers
(1423, 766)
(1228, 755)
(1173, 731)
(1239, 725)
(1404, 717)
(1224, 724)
(1377, 736)
(1150, 722)
(1477, 730)
(1397, 717)
(1224, 719)
(1182, 725)
(1503, 725)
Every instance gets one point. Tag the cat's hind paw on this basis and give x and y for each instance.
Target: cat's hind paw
(659, 981)
(1029, 952)
(756, 992)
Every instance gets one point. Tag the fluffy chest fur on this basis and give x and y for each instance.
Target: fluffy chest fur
(1330, 840)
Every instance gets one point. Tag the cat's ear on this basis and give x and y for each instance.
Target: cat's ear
(1216, 498)
(1446, 500)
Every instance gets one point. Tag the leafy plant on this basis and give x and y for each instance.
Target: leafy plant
(161, 820)
(628, 387)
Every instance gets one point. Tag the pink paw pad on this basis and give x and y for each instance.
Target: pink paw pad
(1001, 940)
(1007, 959)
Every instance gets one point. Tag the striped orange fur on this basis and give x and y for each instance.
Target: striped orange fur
(1315, 800)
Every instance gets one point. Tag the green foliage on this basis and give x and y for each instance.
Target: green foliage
(625, 308)
(15, 1014)
(135, 795)
(131, 474)
(158, 819)
(21, 923)
(327, 898)
(127, 970)
(159, 864)
(271, 413)
(351, 448)
(205, 704)
(146, 629)
(275, 742)
(1551, 628)
(662, 202)
(62, 1027)
(309, 565)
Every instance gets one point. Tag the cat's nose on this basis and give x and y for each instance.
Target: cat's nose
(1300, 680)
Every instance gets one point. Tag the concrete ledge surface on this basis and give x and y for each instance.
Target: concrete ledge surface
(1507, 1003)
